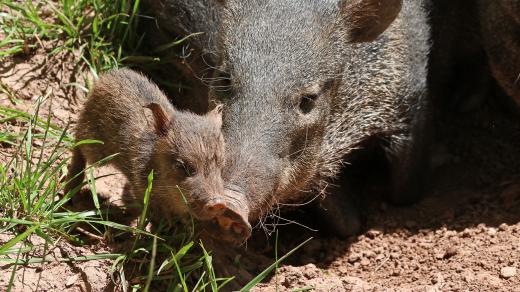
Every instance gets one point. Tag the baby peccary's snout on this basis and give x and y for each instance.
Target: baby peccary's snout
(226, 217)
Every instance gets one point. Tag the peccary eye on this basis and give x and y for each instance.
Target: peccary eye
(307, 103)
(186, 167)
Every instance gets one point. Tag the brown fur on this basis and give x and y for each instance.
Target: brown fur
(134, 118)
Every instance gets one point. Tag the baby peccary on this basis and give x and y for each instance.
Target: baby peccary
(134, 118)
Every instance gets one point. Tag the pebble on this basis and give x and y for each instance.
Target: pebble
(373, 233)
(466, 233)
(446, 254)
(72, 279)
(508, 272)
(450, 251)
(469, 277)
(431, 289)
(492, 231)
(354, 258)
(502, 227)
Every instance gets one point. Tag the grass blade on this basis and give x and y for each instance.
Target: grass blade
(268, 270)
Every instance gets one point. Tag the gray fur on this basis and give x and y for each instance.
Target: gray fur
(274, 52)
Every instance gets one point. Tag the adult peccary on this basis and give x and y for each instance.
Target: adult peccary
(135, 120)
(500, 26)
(307, 85)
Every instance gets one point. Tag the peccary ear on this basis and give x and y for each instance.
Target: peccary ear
(367, 19)
(216, 114)
(160, 118)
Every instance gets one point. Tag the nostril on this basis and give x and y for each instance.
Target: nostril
(215, 209)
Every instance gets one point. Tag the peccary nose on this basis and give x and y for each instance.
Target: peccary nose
(228, 218)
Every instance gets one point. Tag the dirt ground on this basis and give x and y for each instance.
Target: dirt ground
(464, 236)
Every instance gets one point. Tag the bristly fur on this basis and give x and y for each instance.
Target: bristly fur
(117, 113)
(281, 54)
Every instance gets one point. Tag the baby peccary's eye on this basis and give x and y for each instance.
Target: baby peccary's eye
(307, 103)
(186, 167)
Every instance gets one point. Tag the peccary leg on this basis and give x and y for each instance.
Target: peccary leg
(340, 212)
(75, 174)
(408, 157)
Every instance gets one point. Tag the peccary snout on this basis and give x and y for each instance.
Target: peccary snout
(225, 217)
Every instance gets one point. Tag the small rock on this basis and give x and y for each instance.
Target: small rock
(469, 277)
(502, 227)
(310, 271)
(369, 254)
(466, 233)
(71, 280)
(365, 262)
(373, 233)
(354, 258)
(508, 272)
(450, 251)
(446, 254)
(492, 231)
(450, 233)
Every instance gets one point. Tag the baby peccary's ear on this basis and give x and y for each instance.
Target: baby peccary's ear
(160, 118)
(367, 19)
(216, 115)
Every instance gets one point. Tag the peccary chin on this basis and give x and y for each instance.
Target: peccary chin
(300, 76)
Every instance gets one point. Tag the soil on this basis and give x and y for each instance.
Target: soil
(463, 236)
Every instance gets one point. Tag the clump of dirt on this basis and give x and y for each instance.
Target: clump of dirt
(464, 236)
(57, 275)
(58, 77)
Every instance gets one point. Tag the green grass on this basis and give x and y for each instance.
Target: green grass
(102, 35)
(33, 205)
(30, 185)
